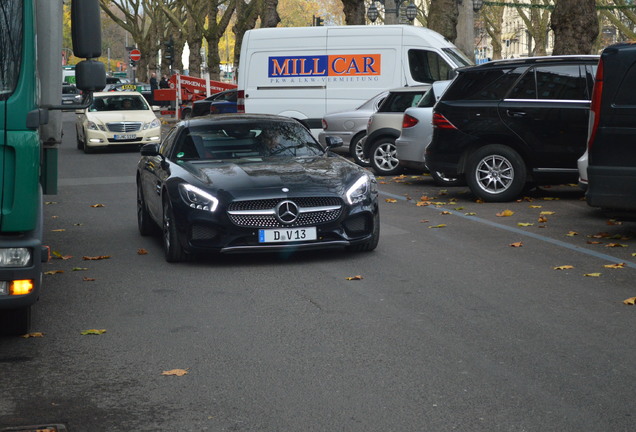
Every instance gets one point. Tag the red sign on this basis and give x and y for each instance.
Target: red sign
(135, 55)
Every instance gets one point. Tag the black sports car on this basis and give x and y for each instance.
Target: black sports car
(246, 183)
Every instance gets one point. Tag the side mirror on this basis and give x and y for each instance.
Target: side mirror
(150, 149)
(333, 142)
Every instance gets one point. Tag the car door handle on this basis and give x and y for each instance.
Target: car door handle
(514, 113)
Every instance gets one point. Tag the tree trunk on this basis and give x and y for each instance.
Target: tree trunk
(442, 18)
(575, 26)
(354, 12)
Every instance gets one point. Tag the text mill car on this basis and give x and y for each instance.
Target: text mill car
(246, 183)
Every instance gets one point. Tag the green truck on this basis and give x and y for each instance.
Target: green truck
(30, 133)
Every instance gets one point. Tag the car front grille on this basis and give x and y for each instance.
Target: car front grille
(124, 126)
(262, 213)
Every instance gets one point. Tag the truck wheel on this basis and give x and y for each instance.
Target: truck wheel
(384, 157)
(356, 150)
(15, 322)
(172, 246)
(441, 179)
(496, 173)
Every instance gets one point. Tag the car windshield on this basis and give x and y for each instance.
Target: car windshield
(237, 140)
(119, 103)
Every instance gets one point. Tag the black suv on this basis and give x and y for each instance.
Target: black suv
(611, 171)
(507, 123)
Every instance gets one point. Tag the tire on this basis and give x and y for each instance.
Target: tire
(441, 180)
(372, 243)
(144, 222)
(171, 243)
(80, 143)
(15, 322)
(356, 150)
(496, 173)
(186, 114)
(384, 159)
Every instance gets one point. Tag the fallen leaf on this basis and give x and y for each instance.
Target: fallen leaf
(479, 201)
(535, 206)
(600, 235)
(58, 230)
(564, 267)
(33, 335)
(459, 208)
(438, 203)
(634, 254)
(93, 332)
(594, 242)
(615, 266)
(95, 258)
(425, 198)
(505, 213)
(630, 301)
(524, 224)
(175, 372)
(550, 199)
(97, 205)
(50, 202)
(142, 252)
(424, 221)
(60, 256)
(357, 277)
(542, 219)
(572, 233)
(614, 222)
(88, 279)
(546, 213)
(422, 203)
(438, 226)
(443, 192)
(592, 275)
(52, 272)
(445, 212)
(390, 200)
(470, 214)
(79, 269)
(516, 244)
(612, 245)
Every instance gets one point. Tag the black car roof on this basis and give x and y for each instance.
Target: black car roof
(231, 118)
(588, 58)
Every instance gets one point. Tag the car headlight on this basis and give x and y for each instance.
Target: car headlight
(91, 125)
(153, 124)
(197, 198)
(15, 257)
(361, 189)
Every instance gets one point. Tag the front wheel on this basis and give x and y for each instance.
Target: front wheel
(384, 157)
(144, 221)
(356, 150)
(171, 243)
(496, 173)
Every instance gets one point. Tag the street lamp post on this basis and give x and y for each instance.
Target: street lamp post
(411, 11)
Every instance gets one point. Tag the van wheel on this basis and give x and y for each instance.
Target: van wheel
(496, 173)
(15, 322)
(441, 179)
(356, 150)
(384, 157)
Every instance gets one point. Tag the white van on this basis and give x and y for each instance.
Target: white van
(307, 72)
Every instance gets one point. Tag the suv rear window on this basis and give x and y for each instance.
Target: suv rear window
(483, 85)
(400, 101)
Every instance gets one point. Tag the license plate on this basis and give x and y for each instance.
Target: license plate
(125, 137)
(287, 235)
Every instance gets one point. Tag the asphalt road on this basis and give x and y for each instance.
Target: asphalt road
(451, 328)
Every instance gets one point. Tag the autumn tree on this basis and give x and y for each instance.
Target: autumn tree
(442, 17)
(493, 20)
(575, 26)
(536, 18)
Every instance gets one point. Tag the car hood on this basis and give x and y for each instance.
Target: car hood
(119, 116)
(259, 177)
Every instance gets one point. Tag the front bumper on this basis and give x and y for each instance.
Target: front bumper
(98, 138)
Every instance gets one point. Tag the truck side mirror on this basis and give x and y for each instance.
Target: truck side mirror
(90, 75)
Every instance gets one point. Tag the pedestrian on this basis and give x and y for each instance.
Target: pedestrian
(153, 86)
(164, 82)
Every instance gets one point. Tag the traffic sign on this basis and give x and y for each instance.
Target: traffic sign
(135, 55)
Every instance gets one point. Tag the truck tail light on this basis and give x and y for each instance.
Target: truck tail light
(409, 121)
(240, 101)
(595, 106)
(441, 122)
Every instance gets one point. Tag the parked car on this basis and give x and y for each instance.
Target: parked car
(417, 131)
(247, 183)
(218, 103)
(611, 170)
(351, 126)
(115, 119)
(385, 126)
(71, 95)
(509, 123)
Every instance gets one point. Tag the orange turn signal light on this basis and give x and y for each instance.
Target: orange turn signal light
(21, 287)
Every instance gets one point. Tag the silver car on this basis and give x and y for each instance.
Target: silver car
(351, 125)
(417, 132)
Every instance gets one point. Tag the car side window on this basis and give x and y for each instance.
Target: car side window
(427, 66)
(555, 82)
(400, 101)
(627, 93)
(168, 143)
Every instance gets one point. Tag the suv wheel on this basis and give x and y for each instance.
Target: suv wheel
(384, 157)
(496, 173)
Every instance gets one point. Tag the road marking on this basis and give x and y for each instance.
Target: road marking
(523, 233)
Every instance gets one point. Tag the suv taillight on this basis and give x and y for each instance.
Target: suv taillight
(595, 106)
(240, 101)
(440, 122)
(409, 121)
